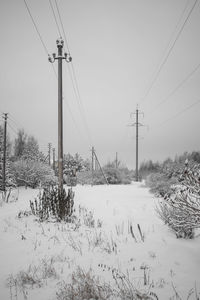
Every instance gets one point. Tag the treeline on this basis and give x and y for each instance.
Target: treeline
(27, 166)
(161, 176)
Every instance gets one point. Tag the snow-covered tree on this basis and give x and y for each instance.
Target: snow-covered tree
(72, 164)
(33, 173)
(30, 168)
(31, 149)
(20, 143)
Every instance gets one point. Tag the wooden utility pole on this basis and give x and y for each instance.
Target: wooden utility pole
(68, 58)
(49, 153)
(4, 153)
(54, 159)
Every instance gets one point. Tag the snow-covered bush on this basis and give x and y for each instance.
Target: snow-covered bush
(113, 175)
(33, 173)
(160, 184)
(84, 286)
(53, 202)
(181, 211)
(116, 175)
(72, 166)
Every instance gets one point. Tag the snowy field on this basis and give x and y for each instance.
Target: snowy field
(49, 252)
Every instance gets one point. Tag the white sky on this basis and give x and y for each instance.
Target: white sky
(116, 47)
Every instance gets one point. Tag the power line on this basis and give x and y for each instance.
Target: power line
(67, 103)
(73, 119)
(74, 80)
(65, 38)
(16, 124)
(55, 18)
(169, 51)
(12, 128)
(172, 35)
(34, 23)
(36, 28)
(79, 101)
(38, 32)
(177, 88)
(180, 113)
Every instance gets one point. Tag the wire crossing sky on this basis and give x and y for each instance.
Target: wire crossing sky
(116, 46)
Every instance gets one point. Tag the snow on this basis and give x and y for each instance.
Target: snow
(25, 243)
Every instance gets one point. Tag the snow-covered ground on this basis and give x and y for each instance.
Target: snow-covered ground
(52, 251)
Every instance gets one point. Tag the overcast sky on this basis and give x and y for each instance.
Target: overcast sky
(116, 47)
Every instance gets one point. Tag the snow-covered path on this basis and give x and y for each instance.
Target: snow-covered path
(171, 260)
(24, 242)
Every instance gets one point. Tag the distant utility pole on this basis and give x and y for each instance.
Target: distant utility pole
(49, 153)
(96, 166)
(54, 159)
(95, 159)
(137, 124)
(4, 153)
(52, 59)
(92, 165)
(116, 160)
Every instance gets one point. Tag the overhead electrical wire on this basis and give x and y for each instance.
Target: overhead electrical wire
(17, 124)
(36, 28)
(180, 113)
(45, 48)
(38, 33)
(74, 79)
(67, 103)
(59, 15)
(73, 119)
(176, 88)
(169, 43)
(169, 51)
(54, 15)
(12, 128)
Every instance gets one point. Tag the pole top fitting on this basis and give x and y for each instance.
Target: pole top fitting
(68, 58)
(59, 42)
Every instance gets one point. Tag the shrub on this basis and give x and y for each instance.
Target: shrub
(113, 175)
(53, 203)
(160, 184)
(33, 173)
(85, 286)
(181, 211)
